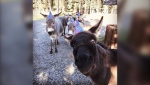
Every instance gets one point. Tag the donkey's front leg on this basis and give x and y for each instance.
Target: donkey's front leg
(64, 30)
(51, 51)
(56, 46)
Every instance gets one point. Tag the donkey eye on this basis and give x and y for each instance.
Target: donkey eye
(92, 41)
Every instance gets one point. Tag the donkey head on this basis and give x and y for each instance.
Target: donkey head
(84, 49)
(51, 26)
(79, 18)
(93, 30)
(71, 27)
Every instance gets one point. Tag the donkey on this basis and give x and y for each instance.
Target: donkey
(94, 59)
(54, 28)
(71, 26)
(79, 18)
(63, 20)
(74, 27)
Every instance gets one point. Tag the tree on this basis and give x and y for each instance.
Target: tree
(49, 3)
(85, 6)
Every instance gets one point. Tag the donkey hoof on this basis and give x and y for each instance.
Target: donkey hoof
(56, 51)
(51, 52)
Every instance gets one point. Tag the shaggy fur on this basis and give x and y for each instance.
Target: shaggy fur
(92, 59)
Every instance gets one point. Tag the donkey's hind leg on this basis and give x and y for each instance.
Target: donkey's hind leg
(56, 46)
(51, 51)
(63, 34)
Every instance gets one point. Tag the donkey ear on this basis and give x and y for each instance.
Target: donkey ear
(44, 15)
(57, 14)
(96, 27)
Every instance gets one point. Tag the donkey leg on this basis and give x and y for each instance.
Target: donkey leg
(56, 46)
(64, 30)
(57, 42)
(51, 51)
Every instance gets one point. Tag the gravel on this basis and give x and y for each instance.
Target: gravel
(57, 68)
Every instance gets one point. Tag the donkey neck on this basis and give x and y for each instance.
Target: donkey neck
(102, 73)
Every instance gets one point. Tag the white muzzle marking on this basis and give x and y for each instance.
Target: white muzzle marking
(50, 29)
(70, 32)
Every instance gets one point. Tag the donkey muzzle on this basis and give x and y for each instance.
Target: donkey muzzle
(70, 32)
(50, 31)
